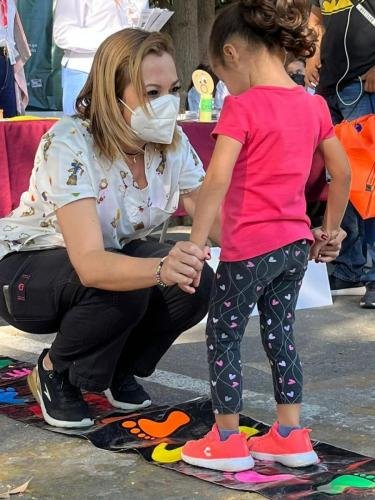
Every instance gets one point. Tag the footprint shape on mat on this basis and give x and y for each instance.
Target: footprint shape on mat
(164, 455)
(341, 483)
(253, 477)
(249, 431)
(144, 428)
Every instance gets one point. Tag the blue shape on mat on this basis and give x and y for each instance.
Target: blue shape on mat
(9, 396)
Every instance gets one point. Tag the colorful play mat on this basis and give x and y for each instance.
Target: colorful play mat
(159, 432)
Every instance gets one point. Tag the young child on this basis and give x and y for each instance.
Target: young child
(268, 131)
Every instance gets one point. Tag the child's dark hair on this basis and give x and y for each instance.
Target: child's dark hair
(272, 23)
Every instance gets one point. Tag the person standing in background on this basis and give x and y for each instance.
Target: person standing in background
(296, 70)
(343, 72)
(79, 28)
(14, 52)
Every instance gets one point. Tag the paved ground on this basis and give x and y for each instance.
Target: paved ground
(337, 345)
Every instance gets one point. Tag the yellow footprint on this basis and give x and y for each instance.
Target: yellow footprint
(161, 454)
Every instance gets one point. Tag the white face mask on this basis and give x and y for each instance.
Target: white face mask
(159, 126)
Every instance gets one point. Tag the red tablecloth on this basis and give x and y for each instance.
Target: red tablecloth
(18, 144)
(19, 141)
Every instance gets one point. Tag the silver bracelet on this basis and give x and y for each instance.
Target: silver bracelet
(159, 281)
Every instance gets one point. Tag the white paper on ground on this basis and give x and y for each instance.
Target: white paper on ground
(315, 290)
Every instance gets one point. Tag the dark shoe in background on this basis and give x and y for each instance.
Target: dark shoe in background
(341, 287)
(368, 300)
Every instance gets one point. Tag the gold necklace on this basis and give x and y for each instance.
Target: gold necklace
(133, 156)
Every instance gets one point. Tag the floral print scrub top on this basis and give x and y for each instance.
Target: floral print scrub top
(67, 168)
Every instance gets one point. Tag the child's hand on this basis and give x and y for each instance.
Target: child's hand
(332, 249)
(326, 246)
(207, 256)
(182, 264)
(321, 238)
(197, 279)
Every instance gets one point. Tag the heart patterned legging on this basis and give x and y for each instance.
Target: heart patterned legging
(272, 281)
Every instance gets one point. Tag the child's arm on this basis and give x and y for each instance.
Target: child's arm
(214, 187)
(190, 202)
(338, 168)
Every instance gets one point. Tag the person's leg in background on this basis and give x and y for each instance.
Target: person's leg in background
(368, 277)
(358, 247)
(349, 265)
(72, 83)
(7, 89)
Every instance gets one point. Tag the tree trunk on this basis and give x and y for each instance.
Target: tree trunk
(183, 27)
(206, 17)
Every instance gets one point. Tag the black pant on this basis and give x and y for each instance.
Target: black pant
(7, 86)
(100, 334)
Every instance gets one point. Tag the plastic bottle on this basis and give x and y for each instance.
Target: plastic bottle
(205, 108)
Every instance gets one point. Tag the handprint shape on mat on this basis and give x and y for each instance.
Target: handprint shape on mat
(14, 374)
(10, 396)
(4, 362)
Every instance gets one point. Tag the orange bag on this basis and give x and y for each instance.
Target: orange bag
(358, 138)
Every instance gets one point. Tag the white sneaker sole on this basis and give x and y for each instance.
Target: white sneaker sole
(360, 290)
(34, 384)
(125, 406)
(292, 460)
(222, 464)
(367, 305)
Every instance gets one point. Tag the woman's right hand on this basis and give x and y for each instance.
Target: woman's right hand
(183, 265)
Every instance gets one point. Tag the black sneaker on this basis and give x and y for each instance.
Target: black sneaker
(341, 287)
(127, 394)
(61, 403)
(368, 300)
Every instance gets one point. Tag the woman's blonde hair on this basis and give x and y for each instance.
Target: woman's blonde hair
(117, 63)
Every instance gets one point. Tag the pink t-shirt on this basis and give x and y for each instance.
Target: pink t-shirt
(265, 206)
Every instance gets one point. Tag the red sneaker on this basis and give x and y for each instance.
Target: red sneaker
(294, 450)
(231, 455)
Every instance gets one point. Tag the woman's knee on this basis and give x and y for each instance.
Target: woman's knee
(28, 283)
